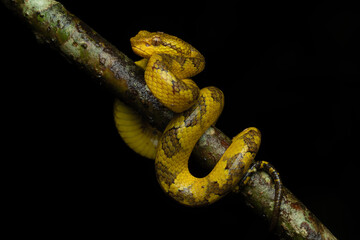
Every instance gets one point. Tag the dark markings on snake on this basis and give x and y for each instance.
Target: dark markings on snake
(196, 62)
(166, 176)
(158, 65)
(249, 139)
(177, 49)
(216, 95)
(170, 143)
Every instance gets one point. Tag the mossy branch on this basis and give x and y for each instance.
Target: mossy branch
(52, 24)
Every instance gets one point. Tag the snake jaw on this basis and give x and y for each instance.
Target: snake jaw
(140, 52)
(141, 49)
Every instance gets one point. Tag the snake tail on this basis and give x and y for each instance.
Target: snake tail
(177, 142)
(274, 174)
(137, 133)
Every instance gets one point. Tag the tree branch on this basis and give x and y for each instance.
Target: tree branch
(52, 24)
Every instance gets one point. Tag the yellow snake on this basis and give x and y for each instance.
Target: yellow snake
(169, 62)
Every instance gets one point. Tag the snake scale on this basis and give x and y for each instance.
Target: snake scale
(169, 63)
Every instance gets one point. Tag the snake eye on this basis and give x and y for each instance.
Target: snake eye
(156, 41)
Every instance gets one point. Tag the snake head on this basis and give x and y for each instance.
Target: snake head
(146, 43)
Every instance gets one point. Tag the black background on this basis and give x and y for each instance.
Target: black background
(289, 69)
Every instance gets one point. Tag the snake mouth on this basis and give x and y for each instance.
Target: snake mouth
(140, 52)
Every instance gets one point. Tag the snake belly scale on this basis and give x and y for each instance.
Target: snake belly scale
(169, 62)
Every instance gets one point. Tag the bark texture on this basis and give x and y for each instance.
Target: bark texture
(52, 24)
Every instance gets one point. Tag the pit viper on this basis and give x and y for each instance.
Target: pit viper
(169, 63)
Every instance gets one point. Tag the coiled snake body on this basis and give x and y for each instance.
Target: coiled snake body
(169, 62)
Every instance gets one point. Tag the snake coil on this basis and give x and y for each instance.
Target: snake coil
(169, 62)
